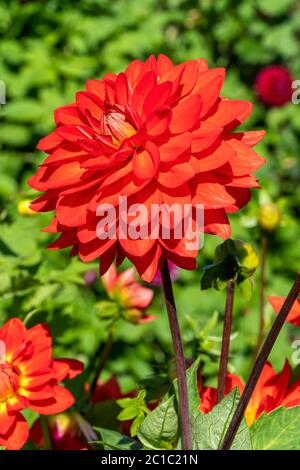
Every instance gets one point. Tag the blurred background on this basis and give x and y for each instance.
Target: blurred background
(47, 52)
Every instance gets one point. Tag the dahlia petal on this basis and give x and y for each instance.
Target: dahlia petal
(292, 397)
(205, 136)
(133, 72)
(217, 223)
(65, 175)
(171, 179)
(232, 112)
(95, 249)
(250, 138)
(208, 87)
(44, 203)
(125, 278)
(43, 377)
(138, 247)
(122, 91)
(186, 115)
(13, 333)
(109, 279)
(144, 86)
(66, 153)
(245, 159)
(241, 196)
(185, 75)
(17, 436)
(213, 158)
(164, 65)
(43, 392)
(7, 419)
(49, 142)
(71, 209)
(158, 122)
(147, 265)
(145, 164)
(175, 147)
(61, 401)
(16, 403)
(74, 133)
(88, 102)
(67, 368)
(212, 193)
(54, 226)
(67, 115)
(67, 238)
(107, 258)
(293, 316)
(40, 337)
(157, 98)
(140, 297)
(39, 361)
(97, 87)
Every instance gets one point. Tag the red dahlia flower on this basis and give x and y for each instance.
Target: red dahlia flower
(30, 378)
(157, 134)
(272, 391)
(129, 295)
(273, 85)
(64, 432)
(293, 316)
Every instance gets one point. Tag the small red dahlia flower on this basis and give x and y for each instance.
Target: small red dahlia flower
(64, 432)
(272, 391)
(157, 135)
(273, 85)
(30, 378)
(293, 316)
(129, 295)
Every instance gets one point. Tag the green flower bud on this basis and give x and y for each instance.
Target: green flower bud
(234, 259)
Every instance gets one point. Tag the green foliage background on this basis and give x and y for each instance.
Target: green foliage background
(47, 51)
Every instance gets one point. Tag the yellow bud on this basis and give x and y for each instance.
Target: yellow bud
(269, 217)
(24, 209)
(247, 256)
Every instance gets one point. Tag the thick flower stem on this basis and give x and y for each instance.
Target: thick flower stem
(225, 341)
(259, 364)
(179, 359)
(105, 352)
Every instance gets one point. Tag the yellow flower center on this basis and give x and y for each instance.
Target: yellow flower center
(9, 381)
(118, 127)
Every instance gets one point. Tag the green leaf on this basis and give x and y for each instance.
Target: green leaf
(278, 430)
(192, 386)
(113, 440)
(160, 427)
(128, 413)
(245, 288)
(209, 429)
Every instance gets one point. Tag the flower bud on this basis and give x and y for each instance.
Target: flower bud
(24, 207)
(269, 217)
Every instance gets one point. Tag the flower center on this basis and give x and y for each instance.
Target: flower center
(9, 381)
(118, 127)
